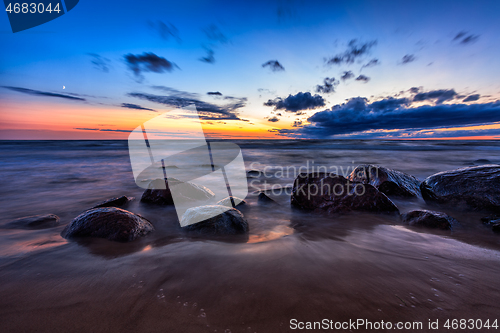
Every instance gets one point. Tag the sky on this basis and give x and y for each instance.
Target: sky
(260, 69)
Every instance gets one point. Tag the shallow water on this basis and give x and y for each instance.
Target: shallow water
(292, 264)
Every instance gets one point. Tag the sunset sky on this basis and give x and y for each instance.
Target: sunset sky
(260, 69)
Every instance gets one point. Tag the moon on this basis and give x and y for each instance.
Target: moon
(64, 87)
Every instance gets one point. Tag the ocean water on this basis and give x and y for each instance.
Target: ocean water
(292, 264)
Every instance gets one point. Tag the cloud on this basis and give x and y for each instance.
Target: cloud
(209, 58)
(328, 86)
(347, 75)
(165, 30)
(213, 33)
(371, 63)
(148, 62)
(206, 111)
(464, 38)
(176, 92)
(357, 115)
(297, 123)
(354, 51)
(274, 65)
(298, 102)
(102, 129)
(407, 59)
(414, 90)
(440, 96)
(472, 98)
(42, 93)
(135, 107)
(273, 119)
(216, 93)
(363, 78)
(99, 62)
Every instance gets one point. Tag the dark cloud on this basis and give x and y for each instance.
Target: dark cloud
(472, 98)
(357, 115)
(273, 119)
(465, 38)
(347, 75)
(371, 63)
(296, 103)
(297, 123)
(216, 93)
(102, 129)
(42, 93)
(414, 90)
(407, 59)
(363, 78)
(354, 51)
(165, 30)
(214, 34)
(173, 91)
(148, 62)
(206, 111)
(209, 58)
(440, 96)
(328, 85)
(274, 65)
(99, 62)
(135, 107)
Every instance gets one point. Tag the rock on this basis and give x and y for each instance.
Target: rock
(482, 161)
(490, 220)
(496, 227)
(253, 174)
(114, 202)
(158, 192)
(387, 181)
(227, 202)
(478, 187)
(225, 222)
(430, 219)
(264, 199)
(112, 223)
(34, 222)
(333, 193)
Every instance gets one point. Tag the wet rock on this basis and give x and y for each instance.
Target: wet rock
(430, 219)
(114, 202)
(112, 223)
(496, 227)
(482, 161)
(333, 193)
(222, 221)
(159, 193)
(34, 222)
(253, 174)
(229, 203)
(387, 181)
(490, 220)
(478, 187)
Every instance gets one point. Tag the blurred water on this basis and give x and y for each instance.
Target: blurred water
(291, 264)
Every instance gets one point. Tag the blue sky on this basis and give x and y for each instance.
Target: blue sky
(449, 45)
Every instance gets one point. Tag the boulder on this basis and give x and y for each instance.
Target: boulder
(112, 223)
(158, 192)
(333, 193)
(34, 222)
(265, 199)
(430, 219)
(496, 227)
(220, 220)
(478, 187)
(114, 202)
(387, 181)
(229, 203)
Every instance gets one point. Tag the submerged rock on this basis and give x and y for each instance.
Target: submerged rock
(114, 202)
(478, 187)
(430, 219)
(34, 222)
(229, 203)
(159, 193)
(112, 223)
(387, 181)
(333, 193)
(222, 221)
(265, 199)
